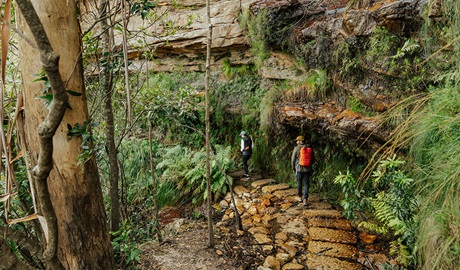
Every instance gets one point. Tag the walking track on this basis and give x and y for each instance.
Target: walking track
(294, 236)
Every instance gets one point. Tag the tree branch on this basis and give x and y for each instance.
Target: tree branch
(47, 129)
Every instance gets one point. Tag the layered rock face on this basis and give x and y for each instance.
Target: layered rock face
(325, 28)
(176, 41)
(177, 36)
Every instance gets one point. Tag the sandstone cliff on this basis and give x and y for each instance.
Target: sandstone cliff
(314, 31)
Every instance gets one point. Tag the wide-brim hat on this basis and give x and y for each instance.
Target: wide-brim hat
(300, 138)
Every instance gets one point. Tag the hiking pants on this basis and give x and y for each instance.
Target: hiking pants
(303, 180)
(245, 163)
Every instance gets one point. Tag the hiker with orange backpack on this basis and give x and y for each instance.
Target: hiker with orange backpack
(301, 160)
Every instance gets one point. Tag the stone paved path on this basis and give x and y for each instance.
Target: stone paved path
(291, 235)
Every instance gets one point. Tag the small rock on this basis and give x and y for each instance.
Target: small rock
(239, 190)
(281, 236)
(367, 238)
(285, 206)
(267, 248)
(252, 210)
(283, 257)
(223, 204)
(272, 263)
(266, 202)
(258, 229)
(262, 238)
(289, 249)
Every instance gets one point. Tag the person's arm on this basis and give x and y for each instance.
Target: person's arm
(242, 145)
(293, 158)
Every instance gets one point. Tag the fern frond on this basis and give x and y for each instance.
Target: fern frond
(376, 228)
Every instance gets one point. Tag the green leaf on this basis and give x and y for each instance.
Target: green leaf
(47, 97)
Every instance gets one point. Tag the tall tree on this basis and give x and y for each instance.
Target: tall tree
(107, 83)
(208, 124)
(71, 198)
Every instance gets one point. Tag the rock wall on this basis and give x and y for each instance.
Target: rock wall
(176, 39)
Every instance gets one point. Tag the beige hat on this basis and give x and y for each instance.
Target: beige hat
(300, 138)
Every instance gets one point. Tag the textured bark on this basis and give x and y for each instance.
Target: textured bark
(73, 190)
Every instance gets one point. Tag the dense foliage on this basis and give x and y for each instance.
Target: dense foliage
(386, 205)
(412, 203)
(419, 212)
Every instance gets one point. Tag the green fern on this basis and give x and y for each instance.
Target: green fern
(377, 228)
(409, 47)
(402, 251)
(187, 170)
(393, 206)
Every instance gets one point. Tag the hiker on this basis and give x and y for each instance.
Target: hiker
(246, 151)
(301, 160)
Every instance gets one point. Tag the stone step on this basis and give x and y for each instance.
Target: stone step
(273, 188)
(330, 235)
(240, 190)
(319, 205)
(339, 224)
(285, 193)
(261, 183)
(293, 236)
(314, 213)
(336, 250)
(295, 226)
(315, 262)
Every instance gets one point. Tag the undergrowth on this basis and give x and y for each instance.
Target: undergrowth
(386, 205)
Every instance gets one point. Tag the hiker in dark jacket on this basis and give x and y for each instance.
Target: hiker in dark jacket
(246, 151)
(303, 173)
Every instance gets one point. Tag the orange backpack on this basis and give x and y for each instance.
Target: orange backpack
(305, 156)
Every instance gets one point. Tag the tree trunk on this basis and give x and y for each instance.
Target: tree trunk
(208, 124)
(106, 79)
(154, 181)
(74, 189)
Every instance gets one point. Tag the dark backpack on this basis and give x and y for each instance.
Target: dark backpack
(305, 156)
(247, 143)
